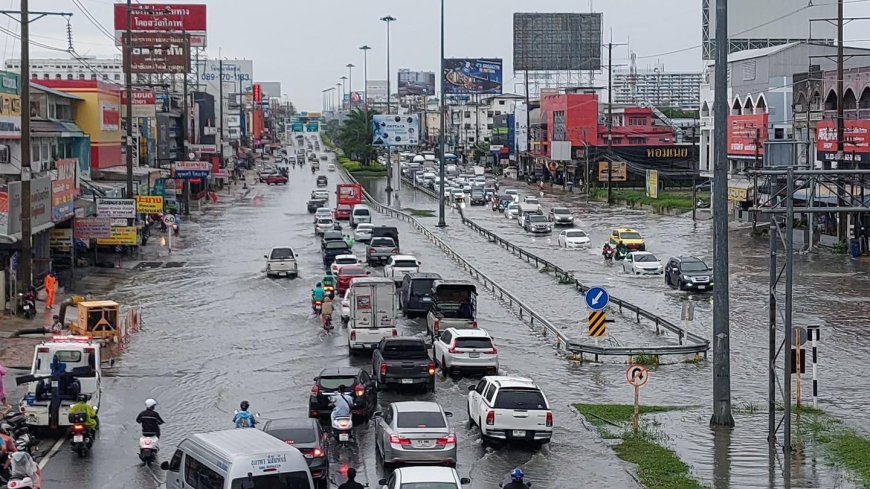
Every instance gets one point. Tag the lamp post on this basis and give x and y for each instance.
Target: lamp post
(365, 50)
(388, 19)
(441, 222)
(344, 92)
(338, 97)
(350, 67)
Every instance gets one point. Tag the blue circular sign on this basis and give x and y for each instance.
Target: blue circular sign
(597, 298)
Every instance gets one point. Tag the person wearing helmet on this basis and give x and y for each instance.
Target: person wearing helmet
(317, 294)
(150, 419)
(244, 418)
(516, 482)
(22, 465)
(326, 310)
(82, 406)
(351, 480)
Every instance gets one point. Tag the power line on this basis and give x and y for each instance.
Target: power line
(93, 19)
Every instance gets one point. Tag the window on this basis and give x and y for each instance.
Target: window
(480, 386)
(422, 419)
(489, 114)
(175, 463)
(287, 480)
(490, 391)
(636, 140)
(520, 399)
(81, 76)
(749, 71)
(105, 76)
(468, 114)
(636, 121)
(34, 152)
(501, 102)
(117, 76)
(46, 76)
(4, 154)
(69, 76)
(198, 476)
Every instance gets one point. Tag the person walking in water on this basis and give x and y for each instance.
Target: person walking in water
(50, 290)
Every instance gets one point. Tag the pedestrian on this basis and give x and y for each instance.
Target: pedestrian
(3, 404)
(56, 325)
(50, 290)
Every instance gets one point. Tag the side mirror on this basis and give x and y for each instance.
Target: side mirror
(316, 379)
(378, 414)
(449, 414)
(464, 480)
(266, 257)
(471, 387)
(382, 482)
(164, 465)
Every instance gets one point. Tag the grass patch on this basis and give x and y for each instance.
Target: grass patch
(657, 466)
(645, 359)
(667, 200)
(419, 212)
(840, 445)
(357, 168)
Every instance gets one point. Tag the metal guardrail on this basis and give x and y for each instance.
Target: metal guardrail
(697, 344)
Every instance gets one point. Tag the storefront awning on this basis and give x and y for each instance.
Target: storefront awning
(46, 128)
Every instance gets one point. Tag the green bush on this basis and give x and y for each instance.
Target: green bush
(357, 167)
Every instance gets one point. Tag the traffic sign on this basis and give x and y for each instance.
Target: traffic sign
(169, 219)
(637, 375)
(597, 323)
(597, 298)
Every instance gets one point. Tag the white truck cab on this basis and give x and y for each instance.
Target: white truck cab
(63, 368)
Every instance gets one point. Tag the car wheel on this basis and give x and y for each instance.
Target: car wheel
(444, 369)
(680, 284)
(667, 279)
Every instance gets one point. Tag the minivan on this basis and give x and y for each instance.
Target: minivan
(360, 214)
(416, 293)
(236, 459)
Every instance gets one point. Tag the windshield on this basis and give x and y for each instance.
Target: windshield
(575, 234)
(404, 349)
(405, 264)
(292, 436)
(474, 343)
(559, 210)
(365, 227)
(345, 261)
(537, 218)
(520, 399)
(512, 207)
(324, 221)
(336, 245)
(382, 242)
(290, 480)
(333, 383)
(645, 258)
(421, 286)
(426, 419)
(694, 266)
(346, 271)
(429, 485)
(281, 254)
(361, 212)
(630, 235)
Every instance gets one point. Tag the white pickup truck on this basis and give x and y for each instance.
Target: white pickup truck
(510, 409)
(63, 368)
(400, 265)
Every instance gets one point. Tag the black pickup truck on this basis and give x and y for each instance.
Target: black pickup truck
(315, 204)
(403, 362)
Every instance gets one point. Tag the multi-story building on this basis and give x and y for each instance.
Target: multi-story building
(103, 69)
(657, 87)
(472, 124)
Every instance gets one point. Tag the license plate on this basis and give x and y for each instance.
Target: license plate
(702, 287)
(474, 355)
(407, 381)
(343, 437)
(26, 308)
(424, 443)
(519, 433)
(78, 438)
(281, 274)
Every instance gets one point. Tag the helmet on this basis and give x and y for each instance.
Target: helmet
(319, 284)
(244, 405)
(150, 403)
(84, 398)
(517, 474)
(6, 428)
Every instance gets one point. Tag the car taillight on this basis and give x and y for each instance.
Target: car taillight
(474, 324)
(315, 390)
(431, 368)
(368, 251)
(452, 349)
(396, 251)
(398, 440)
(384, 368)
(490, 417)
(317, 453)
(360, 391)
(448, 440)
(353, 336)
(437, 325)
(549, 419)
(493, 351)
(395, 333)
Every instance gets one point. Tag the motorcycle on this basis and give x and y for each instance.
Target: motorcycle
(22, 483)
(80, 434)
(313, 170)
(608, 257)
(327, 322)
(342, 427)
(148, 448)
(27, 304)
(317, 307)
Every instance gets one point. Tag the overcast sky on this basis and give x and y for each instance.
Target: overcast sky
(306, 44)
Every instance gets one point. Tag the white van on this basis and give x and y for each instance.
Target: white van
(236, 459)
(372, 316)
(359, 215)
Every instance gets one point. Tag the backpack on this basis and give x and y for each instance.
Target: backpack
(244, 420)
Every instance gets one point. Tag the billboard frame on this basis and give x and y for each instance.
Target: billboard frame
(557, 41)
(454, 74)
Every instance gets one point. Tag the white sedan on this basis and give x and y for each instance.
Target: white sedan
(323, 224)
(345, 307)
(323, 212)
(642, 263)
(330, 167)
(363, 232)
(458, 195)
(399, 265)
(342, 260)
(573, 238)
(435, 477)
(511, 211)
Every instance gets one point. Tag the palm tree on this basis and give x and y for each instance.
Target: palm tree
(355, 136)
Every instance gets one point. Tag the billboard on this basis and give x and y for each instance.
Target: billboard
(64, 189)
(376, 91)
(158, 53)
(144, 103)
(396, 130)
(619, 169)
(557, 41)
(743, 131)
(856, 136)
(188, 18)
(40, 205)
(472, 75)
(419, 83)
(10, 105)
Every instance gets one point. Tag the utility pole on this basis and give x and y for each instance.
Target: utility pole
(528, 165)
(441, 222)
(128, 81)
(365, 49)
(350, 67)
(25, 265)
(610, 118)
(721, 299)
(344, 92)
(185, 125)
(843, 218)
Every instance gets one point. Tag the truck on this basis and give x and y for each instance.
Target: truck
(478, 170)
(372, 304)
(63, 368)
(454, 305)
(349, 194)
(403, 362)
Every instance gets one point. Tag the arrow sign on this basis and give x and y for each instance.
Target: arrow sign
(597, 298)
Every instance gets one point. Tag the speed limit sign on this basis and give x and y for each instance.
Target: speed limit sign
(169, 219)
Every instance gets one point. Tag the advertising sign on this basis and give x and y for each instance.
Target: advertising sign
(188, 18)
(10, 106)
(40, 204)
(192, 169)
(652, 184)
(121, 236)
(856, 137)
(472, 75)
(64, 190)
(396, 130)
(557, 41)
(521, 128)
(144, 103)
(743, 131)
(116, 208)
(419, 83)
(110, 119)
(159, 52)
(60, 238)
(376, 91)
(149, 204)
(619, 168)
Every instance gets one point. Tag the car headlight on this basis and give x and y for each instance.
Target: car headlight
(686, 278)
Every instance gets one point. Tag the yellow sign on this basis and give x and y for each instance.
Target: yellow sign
(736, 194)
(149, 204)
(121, 236)
(597, 324)
(652, 184)
(619, 168)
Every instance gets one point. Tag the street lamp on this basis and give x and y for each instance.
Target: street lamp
(388, 19)
(350, 67)
(365, 50)
(441, 222)
(338, 94)
(344, 92)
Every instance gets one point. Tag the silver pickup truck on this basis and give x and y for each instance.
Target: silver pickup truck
(379, 250)
(454, 305)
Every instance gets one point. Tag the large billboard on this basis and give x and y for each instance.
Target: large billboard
(420, 83)
(472, 75)
(557, 41)
(40, 205)
(168, 18)
(856, 134)
(745, 132)
(376, 91)
(396, 130)
(158, 53)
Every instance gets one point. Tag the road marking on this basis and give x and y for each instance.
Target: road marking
(54, 449)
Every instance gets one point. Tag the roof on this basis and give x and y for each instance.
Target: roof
(285, 423)
(340, 371)
(243, 443)
(468, 333)
(44, 127)
(424, 275)
(427, 474)
(417, 406)
(506, 381)
(42, 88)
(760, 52)
(404, 257)
(99, 304)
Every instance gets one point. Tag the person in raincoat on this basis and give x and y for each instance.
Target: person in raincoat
(50, 290)
(23, 466)
(2, 388)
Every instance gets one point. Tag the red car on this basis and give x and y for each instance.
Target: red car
(342, 212)
(348, 272)
(276, 179)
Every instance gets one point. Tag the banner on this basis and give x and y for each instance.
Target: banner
(396, 130)
(376, 91)
(64, 190)
(188, 18)
(652, 184)
(856, 134)
(116, 208)
(743, 131)
(472, 75)
(110, 119)
(158, 53)
(418, 83)
(60, 238)
(521, 128)
(88, 228)
(40, 204)
(121, 236)
(144, 103)
(149, 204)
(619, 168)
(192, 169)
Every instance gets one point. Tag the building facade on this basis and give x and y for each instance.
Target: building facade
(110, 70)
(10, 124)
(657, 87)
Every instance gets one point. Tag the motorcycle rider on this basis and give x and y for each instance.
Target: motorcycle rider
(516, 480)
(351, 480)
(91, 420)
(607, 251)
(329, 280)
(244, 418)
(150, 419)
(318, 294)
(22, 465)
(621, 251)
(326, 310)
(343, 402)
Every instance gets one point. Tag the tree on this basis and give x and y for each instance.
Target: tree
(355, 137)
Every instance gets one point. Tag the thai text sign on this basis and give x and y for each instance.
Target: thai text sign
(116, 208)
(619, 169)
(64, 190)
(745, 132)
(191, 169)
(188, 18)
(157, 52)
(93, 227)
(149, 204)
(121, 236)
(40, 204)
(144, 103)
(856, 136)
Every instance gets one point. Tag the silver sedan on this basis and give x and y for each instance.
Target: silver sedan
(415, 432)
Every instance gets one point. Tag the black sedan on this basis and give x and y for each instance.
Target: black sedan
(322, 181)
(359, 384)
(308, 436)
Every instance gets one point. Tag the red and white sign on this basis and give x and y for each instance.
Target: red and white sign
(743, 131)
(144, 103)
(111, 117)
(636, 375)
(162, 17)
(192, 165)
(856, 137)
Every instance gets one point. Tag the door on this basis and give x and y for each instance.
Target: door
(384, 305)
(362, 305)
(173, 474)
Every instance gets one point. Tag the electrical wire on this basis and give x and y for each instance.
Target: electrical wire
(94, 20)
